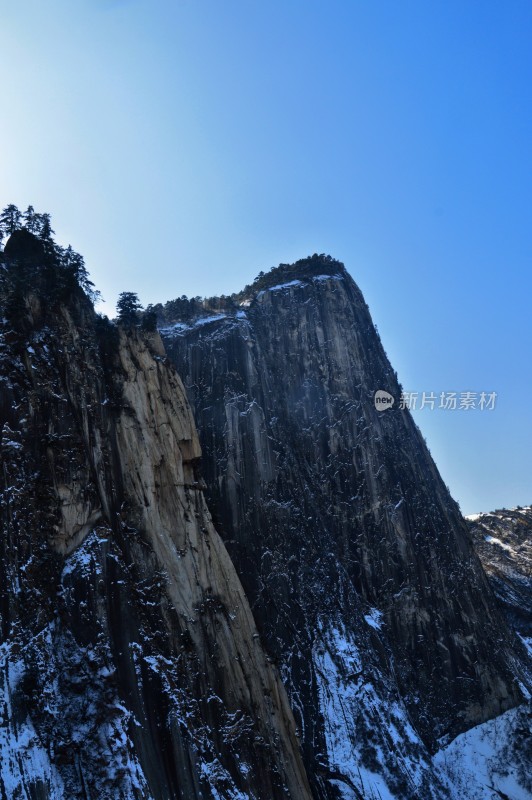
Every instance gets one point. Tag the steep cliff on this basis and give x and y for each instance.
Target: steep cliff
(357, 562)
(503, 541)
(129, 659)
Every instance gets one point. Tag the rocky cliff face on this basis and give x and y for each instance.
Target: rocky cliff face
(130, 664)
(129, 659)
(357, 563)
(503, 541)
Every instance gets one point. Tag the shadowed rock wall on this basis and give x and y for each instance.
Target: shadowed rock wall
(356, 560)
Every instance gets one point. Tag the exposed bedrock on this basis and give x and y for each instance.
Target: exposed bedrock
(130, 662)
(357, 562)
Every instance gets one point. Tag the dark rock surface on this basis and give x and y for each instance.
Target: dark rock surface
(24, 246)
(357, 562)
(503, 541)
(130, 665)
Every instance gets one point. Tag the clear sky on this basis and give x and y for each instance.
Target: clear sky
(182, 146)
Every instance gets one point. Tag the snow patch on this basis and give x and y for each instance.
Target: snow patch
(280, 286)
(207, 320)
(327, 278)
(374, 618)
(350, 703)
(494, 540)
(489, 761)
(24, 763)
(220, 782)
(178, 328)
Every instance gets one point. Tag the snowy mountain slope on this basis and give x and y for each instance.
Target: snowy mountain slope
(491, 761)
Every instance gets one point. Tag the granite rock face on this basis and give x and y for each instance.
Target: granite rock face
(339, 633)
(357, 562)
(503, 541)
(130, 663)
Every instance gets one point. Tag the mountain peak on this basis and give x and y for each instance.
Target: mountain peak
(303, 269)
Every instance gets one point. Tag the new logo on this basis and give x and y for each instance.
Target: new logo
(383, 400)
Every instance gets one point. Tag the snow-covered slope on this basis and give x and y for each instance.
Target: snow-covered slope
(491, 761)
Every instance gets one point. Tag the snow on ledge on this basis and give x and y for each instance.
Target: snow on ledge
(279, 286)
(374, 619)
(179, 328)
(327, 278)
(494, 540)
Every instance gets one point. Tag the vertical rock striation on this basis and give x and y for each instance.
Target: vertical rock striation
(129, 659)
(356, 560)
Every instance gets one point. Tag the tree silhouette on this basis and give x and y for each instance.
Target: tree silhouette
(31, 220)
(75, 263)
(44, 227)
(128, 307)
(10, 219)
(149, 319)
(62, 267)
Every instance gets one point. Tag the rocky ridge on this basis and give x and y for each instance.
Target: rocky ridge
(503, 541)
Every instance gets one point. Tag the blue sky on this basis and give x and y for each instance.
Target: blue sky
(184, 146)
